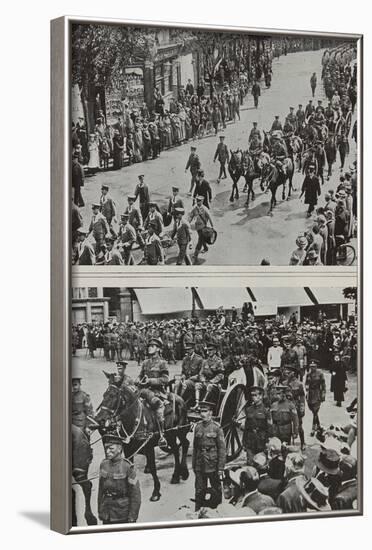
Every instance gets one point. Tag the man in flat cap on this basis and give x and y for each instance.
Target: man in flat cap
(222, 154)
(119, 493)
(181, 231)
(193, 164)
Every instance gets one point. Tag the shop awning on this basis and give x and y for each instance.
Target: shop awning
(329, 295)
(281, 296)
(213, 298)
(154, 301)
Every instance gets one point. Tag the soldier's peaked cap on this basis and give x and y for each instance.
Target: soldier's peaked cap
(104, 186)
(155, 342)
(131, 197)
(96, 205)
(122, 363)
(179, 210)
(257, 388)
(76, 377)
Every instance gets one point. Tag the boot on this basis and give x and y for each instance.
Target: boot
(160, 416)
(197, 399)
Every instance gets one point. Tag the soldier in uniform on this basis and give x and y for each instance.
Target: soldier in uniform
(119, 493)
(122, 378)
(152, 381)
(257, 426)
(284, 417)
(222, 153)
(208, 458)
(289, 355)
(107, 205)
(315, 392)
(175, 202)
(81, 404)
(142, 191)
(194, 165)
(276, 125)
(98, 226)
(211, 376)
(255, 133)
(84, 253)
(191, 366)
(296, 394)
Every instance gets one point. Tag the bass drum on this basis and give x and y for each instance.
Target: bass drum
(209, 234)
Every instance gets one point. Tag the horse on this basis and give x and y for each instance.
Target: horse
(275, 178)
(331, 152)
(123, 410)
(81, 459)
(236, 170)
(250, 174)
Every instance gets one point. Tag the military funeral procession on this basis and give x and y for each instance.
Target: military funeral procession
(199, 403)
(226, 388)
(194, 147)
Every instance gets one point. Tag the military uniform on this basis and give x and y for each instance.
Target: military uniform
(213, 372)
(119, 494)
(222, 153)
(316, 391)
(191, 367)
(257, 430)
(194, 165)
(156, 370)
(285, 420)
(208, 459)
(81, 408)
(297, 394)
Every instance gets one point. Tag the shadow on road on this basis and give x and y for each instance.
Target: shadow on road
(251, 214)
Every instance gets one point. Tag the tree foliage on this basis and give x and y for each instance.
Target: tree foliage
(350, 293)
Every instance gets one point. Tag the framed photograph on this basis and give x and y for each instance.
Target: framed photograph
(206, 275)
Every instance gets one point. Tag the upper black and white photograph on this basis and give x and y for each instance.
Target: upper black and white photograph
(204, 147)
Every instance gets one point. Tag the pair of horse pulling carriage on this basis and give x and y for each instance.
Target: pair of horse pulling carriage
(123, 412)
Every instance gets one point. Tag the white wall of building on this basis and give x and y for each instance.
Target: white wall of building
(187, 68)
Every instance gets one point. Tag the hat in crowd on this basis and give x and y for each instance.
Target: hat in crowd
(174, 188)
(328, 461)
(131, 197)
(96, 205)
(107, 439)
(200, 198)
(223, 137)
(193, 148)
(281, 387)
(274, 372)
(314, 362)
(122, 363)
(155, 342)
(301, 241)
(314, 493)
(110, 239)
(274, 445)
(152, 203)
(179, 210)
(141, 175)
(105, 186)
(201, 172)
(290, 366)
(125, 215)
(76, 377)
(248, 472)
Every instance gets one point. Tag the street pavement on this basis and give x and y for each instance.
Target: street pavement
(245, 235)
(176, 496)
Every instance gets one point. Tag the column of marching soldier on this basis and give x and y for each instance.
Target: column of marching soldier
(276, 478)
(143, 225)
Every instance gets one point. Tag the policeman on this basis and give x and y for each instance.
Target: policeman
(81, 404)
(315, 392)
(152, 381)
(211, 375)
(208, 458)
(284, 417)
(258, 425)
(296, 394)
(119, 493)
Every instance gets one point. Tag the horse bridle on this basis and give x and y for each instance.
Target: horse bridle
(114, 413)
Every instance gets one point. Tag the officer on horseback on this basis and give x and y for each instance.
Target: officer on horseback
(191, 367)
(211, 375)
(82, 407)
(152, 381)
(255, 133)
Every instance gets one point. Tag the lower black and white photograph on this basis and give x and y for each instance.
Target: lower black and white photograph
(213, 403)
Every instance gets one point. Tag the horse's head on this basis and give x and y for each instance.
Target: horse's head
(112, 402)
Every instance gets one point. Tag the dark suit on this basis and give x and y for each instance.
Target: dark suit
(222, 153)
(203, 189)
(142, 191)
